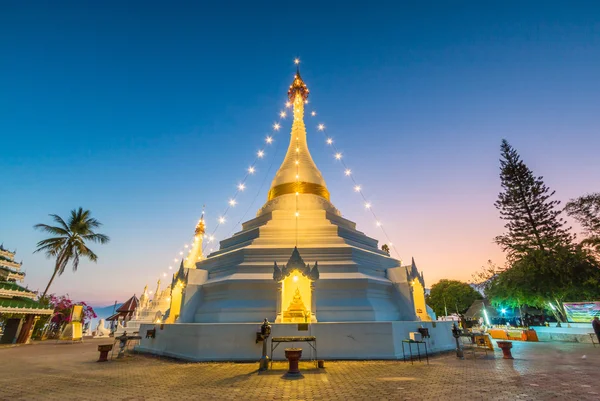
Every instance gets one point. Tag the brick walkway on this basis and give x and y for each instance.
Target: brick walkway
(541, 371)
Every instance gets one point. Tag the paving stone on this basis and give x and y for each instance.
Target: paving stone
(540, 371)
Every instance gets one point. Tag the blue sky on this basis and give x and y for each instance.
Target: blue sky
(146, 111)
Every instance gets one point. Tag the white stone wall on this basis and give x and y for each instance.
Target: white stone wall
(236, 341)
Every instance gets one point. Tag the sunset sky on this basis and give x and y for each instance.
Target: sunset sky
(143, 113)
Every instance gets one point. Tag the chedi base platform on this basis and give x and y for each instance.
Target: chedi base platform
(339, 340)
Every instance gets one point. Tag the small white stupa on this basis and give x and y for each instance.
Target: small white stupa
(359, 301)
(149, 310)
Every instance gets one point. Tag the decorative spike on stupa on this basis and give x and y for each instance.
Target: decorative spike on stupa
(298, 87)
(180, 276)
(195, 254)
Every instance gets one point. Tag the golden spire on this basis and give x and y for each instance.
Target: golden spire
(195, 253)
(298, 173)
(201, 227)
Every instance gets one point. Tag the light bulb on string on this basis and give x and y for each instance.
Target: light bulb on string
(269, 139)
(357, 188)
(282, 114)
(276, 126)
(313, 113)
(296, 61)
(221, 220)
(288, 104)
(251, 170)
(170, 267)
(241, 187)
(232, 202)
(260, 154)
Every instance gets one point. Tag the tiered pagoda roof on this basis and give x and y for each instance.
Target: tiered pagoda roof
(9, 269)
(15, 298)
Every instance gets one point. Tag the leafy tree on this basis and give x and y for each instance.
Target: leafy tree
(546, 268)
(546, 279)
(586, 211)
(485, 276)
(69, 241)
(533, 222)
(451, 295)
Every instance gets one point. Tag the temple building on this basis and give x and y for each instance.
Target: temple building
(16, 302)
(124, 313)
(349, 289)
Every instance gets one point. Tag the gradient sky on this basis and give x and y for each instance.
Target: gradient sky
(144, 112)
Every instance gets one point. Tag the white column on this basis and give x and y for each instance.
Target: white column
(279, 318)
(313, 303)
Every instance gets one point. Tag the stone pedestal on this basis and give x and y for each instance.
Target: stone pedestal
(104, 350)
(505, 346)
(293, 355)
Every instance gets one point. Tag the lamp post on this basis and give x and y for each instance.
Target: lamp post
(456, 335)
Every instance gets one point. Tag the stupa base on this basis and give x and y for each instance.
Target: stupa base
(339, 340)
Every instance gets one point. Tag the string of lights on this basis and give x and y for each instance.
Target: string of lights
(251, 170)
(338, 156)
(259, 191)
(241, 186)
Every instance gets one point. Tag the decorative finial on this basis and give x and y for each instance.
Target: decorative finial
(201, 226)
(298, 86)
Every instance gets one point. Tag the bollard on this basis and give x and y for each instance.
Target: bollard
(104, 350)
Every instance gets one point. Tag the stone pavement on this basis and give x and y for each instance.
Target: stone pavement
(541, 371)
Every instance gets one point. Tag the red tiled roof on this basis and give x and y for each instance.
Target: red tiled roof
(130, 305)
(113, 317)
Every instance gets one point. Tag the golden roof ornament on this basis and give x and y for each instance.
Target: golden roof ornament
(201, 227)
(298, 87)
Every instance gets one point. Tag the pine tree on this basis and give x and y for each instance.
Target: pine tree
(533, 220)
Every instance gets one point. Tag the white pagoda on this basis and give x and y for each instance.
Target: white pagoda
(298, 261)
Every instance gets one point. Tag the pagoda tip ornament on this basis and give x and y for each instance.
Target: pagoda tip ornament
(201, 226)
(298, 87)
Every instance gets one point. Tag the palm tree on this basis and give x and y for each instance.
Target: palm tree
(68, 241)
